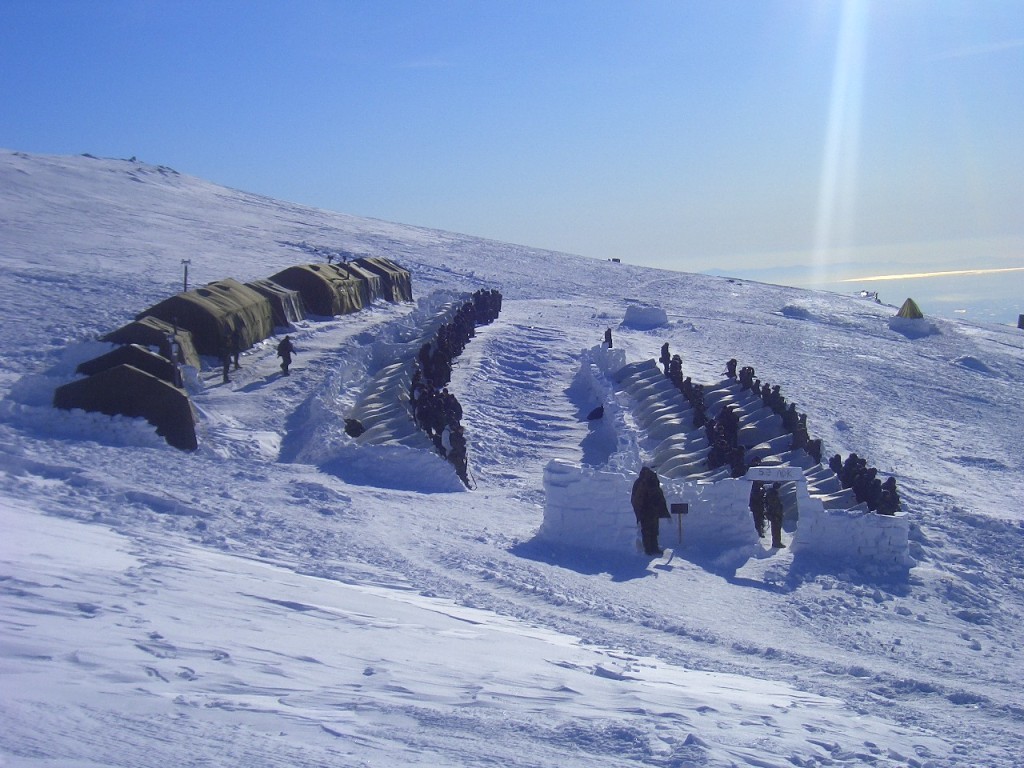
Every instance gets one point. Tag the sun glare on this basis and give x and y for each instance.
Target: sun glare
(838, 183)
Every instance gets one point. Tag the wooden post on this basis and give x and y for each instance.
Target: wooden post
(680, 509)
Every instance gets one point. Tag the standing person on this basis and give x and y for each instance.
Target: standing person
(757, 506)
(285, 350)
(225, 356)
(773, 511)
(236, 345)
(649, 504)
(608, 337)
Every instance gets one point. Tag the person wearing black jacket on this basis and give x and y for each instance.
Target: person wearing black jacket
(649, 504)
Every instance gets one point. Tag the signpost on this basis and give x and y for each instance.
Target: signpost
(680, 509)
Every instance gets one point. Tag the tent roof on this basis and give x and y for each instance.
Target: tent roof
(910, 310)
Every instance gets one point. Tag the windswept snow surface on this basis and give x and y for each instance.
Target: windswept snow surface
(287, 597)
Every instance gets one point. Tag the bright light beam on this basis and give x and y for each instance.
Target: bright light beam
(949, 273)
(837, 190)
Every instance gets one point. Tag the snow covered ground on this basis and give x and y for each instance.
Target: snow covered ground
(285, 597)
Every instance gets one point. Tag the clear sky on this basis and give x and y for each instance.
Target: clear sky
(818, 138)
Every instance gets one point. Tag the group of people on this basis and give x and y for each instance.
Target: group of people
(766, 506)
(435, 410)
(233, 343)
(855, 474)
(793, 421)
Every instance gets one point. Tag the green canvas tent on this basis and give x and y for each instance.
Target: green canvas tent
(397, 281)
(910, 310)
(125, 390)
(212, 312)
(374, 283)
(324, 290)
(131, 354)
(286, 302)
(152, 332)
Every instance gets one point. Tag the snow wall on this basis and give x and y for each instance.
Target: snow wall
(854, 535)
(590, 509)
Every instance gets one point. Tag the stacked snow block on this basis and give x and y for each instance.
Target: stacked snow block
(383, 408)
(592, 382)
(718, 519)
(855, 535)
(665, 417)
(588, 508)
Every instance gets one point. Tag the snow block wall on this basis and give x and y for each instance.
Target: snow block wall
(590, 509)
(718, 520)
(854, 535)
(593, 382)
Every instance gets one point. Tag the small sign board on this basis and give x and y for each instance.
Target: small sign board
(679, 508)
(776, 474)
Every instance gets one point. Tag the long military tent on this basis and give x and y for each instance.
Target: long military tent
(374, 283)
(212, 312)
(397, 281)
(135, 355)
(325, 291)
(125, 390)
(174, 343)
(286, 302)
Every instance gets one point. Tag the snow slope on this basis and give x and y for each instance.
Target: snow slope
(286, 597)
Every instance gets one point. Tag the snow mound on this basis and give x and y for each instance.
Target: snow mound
(972, 364)
(913, 328)
(643, 317)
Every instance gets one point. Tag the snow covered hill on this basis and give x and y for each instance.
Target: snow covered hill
(284, 597)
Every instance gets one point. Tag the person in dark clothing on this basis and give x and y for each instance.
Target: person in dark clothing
(773, 511)
(757, 506)
(285, 350)
(608, 337)
(225, 357)
(236, 346)
(649, 504)
(730, 368)
(665, 357)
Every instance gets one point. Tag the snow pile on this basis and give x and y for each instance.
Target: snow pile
(644, 317)
(913, 327)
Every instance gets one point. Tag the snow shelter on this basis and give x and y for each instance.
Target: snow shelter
(212, 312)
(397, 281)
(126, 391)
(286, 303)
(325, 291)
(910, 310)
(134, 355)
(153, 332)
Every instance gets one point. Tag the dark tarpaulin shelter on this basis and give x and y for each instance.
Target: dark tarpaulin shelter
(286, 303)
(125, 390)
(324, 290)
(153, 332)
(397, 281)
(212, 312)
(134, 355)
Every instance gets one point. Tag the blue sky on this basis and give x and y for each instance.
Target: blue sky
(814, 139)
